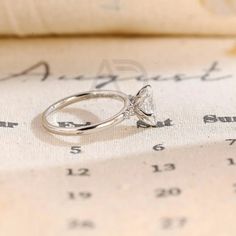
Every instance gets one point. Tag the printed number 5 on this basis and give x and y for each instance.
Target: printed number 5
(75, 150)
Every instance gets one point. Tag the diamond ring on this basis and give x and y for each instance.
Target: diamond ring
(140, 105)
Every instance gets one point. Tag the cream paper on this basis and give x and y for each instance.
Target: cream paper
(175, 179)
(201, 17)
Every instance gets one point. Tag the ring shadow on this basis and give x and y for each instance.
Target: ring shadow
(112, 133)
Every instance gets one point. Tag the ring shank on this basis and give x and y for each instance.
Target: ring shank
(88, 129)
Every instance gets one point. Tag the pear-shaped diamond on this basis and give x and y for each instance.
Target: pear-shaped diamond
(144, 106)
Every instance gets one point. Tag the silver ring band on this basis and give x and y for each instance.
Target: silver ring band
(133, 105)
(119, 117)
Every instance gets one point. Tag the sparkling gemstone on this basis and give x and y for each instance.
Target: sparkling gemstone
(144, 106)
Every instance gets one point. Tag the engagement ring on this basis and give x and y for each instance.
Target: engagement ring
(141, 105)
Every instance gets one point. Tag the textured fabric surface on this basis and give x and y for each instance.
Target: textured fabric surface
(177, 178)
(33, 17)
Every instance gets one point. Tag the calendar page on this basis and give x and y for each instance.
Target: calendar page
(175, 178)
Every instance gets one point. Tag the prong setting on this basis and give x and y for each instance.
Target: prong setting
(142, 105)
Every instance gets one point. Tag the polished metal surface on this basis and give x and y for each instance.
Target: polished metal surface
(141, 105)
(88, 129)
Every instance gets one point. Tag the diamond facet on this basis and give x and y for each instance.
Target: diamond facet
(144, 106)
